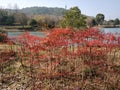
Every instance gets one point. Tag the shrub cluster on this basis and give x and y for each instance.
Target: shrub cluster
(67, 59)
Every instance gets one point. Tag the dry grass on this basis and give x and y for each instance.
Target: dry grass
(69, 74)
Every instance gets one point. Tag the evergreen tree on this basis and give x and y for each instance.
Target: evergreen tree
(73, 19)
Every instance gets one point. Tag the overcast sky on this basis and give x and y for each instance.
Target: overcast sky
(110, 8)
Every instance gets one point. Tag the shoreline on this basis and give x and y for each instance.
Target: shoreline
(26, 30)
(109, 26)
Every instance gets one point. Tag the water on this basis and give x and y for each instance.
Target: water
(111, 30)
(106, 30)
(20, 33)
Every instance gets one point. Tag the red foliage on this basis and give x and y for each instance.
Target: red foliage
(91, 45)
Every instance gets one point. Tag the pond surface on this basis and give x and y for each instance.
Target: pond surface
(19, 33)
(106, 30)
(111, 30)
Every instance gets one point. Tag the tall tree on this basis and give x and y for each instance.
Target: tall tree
(116, 21)
(3, 14)
(5, 18)
(20, 18)
(10, 20)
(111, 22)
(73, 19)
(100, 18)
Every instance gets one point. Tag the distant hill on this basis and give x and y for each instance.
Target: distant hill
(55, 11)
(43, 11)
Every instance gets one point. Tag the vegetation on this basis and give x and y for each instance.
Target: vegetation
(73, 19)
(41, 22)
(3, 37)
(47, 21)
(12, 18)
(63, 60)
(5, 18)
(43, 11)
(116, 21)
(112, 23)
(20, 19)
(43, 18)
(66, 58)
(27, 27)
(90, 22)
(100, 18)
(32, 22)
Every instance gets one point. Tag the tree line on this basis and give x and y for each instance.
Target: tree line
(99, 20)
(17, 18)
(72, 18)
(5, 18)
